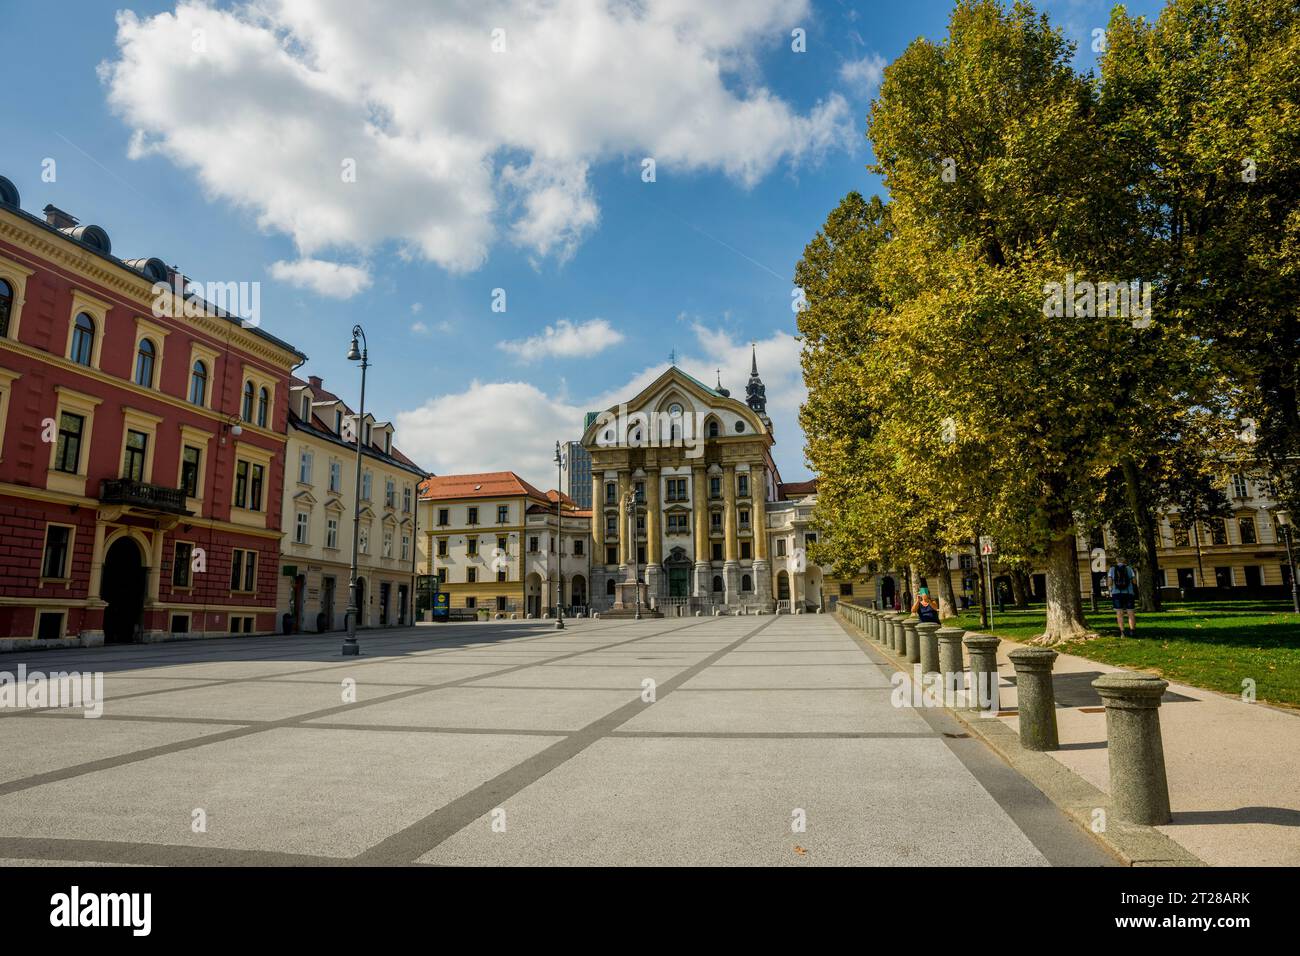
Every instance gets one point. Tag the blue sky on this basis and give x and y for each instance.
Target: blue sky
(537, 187)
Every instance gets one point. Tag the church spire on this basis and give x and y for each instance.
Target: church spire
(756, 391)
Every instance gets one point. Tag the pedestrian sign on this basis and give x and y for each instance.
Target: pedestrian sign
(987, 546)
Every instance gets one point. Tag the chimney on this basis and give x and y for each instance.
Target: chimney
(59, 219)
(315, 382)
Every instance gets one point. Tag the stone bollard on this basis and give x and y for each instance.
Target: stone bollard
(1036, 696)
(900, 638)
(1139, 791)
(879, 617)
(951, 670)
(887, 624)
(983, 652)
(928, 647)
(912, 647)
(871, 624)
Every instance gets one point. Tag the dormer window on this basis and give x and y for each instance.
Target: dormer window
(338, 421)
(306, 408)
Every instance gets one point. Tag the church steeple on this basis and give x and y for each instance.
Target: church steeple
(756, 391)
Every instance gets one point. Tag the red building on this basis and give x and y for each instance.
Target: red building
(141, 446)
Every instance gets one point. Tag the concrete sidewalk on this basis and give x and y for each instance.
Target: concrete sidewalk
(1233, 767)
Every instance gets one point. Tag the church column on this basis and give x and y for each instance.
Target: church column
(596, 579)
(758, 517)
(626, 541)
(731, 552)
(653, 538)
(700, 506)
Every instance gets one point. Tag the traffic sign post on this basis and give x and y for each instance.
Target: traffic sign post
(987, 550)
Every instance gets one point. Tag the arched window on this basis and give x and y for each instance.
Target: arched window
(713, 428)
(263, 406)
(144, 357)
(199, 384)
(83, 339)
(6, 307)
(717, 583)
(609, 588)
(248, 402)
(746, 583)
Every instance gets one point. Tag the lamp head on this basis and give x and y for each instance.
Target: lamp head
(1283, 517)
(236, 429)
(354, 353)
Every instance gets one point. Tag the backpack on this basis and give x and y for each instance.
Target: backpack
(1121, 577)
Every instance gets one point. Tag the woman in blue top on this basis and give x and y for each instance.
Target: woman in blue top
(925, 608)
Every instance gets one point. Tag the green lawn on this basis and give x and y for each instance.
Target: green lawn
(1215, 645)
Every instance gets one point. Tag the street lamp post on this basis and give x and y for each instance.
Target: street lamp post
(559, 540)
(350, 645)
(1284, 519)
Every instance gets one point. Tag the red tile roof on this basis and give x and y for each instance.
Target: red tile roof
(797, 489)
(488, 484)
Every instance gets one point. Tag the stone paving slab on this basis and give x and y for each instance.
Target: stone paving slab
(258, 700)
(718, 803)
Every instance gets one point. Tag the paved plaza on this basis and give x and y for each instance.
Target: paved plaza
(769, 740)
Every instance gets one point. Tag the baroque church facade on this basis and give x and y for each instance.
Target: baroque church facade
(682, 475)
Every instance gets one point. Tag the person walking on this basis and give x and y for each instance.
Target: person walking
(1123, 593)
(925, 608)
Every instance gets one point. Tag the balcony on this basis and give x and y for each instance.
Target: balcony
(137, 494)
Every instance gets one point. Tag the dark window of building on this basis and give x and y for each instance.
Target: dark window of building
(198, 384)
(6, 307)
(180, 623)
(471, 546)
(444, 517)
(503, 514)
(501, 601)
(1218, 531)
(137, 443)
(717, 583)
(745, 552)
(67, 454)
(746, 583)
(609, 586)
(611, 557)
(640, 554)
(144, 358)
(577, 547)
(501, 575)
(713, 429)
(263, 407)
(50, 626)
(190, 457)
(241, 484)
(181, 565)
(255, 489)
(742, 485)
(55, 564)
(1247, 527)
(243, 570)
(846, 589)
(471, 602)
(249, 392)
(717, 552)
(1223, 577)
(471, 575)
(473, 516)
(83, 340)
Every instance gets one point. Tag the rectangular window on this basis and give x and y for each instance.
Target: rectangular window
(715, 521)
(406, 546)
(640, 492)
(611, 493)
(300, 528)
(846, 589)
(363, 539)
(406, 499)
(442, 575)
(501, 545)
(471, 602)
(715, 487)
(255, 489)
(471, 575)
(744, 551)
(1246, 525)
(67, 456)
(1179, 531)
(388, 544)
(473, 516)
(501, 575)
(503, 514)
(717, 552)
(442, 547)
(744, 518)
(780, 547)
(182, 561)
(133, 461)
(577, 547)
(57, 539)
(365, 485)
(742, 485)
(471, 546)
(241, 484)
(444, 517)
(1218, 531)
(336, 476)
(611, 525)
(1239, 487)
(532, 544)
(180, 623)
(332, 533)
(611, 555)
(390, 493)
(676, 489)
(304, 467)
(190, 457)
(243, 570)
(50, 626)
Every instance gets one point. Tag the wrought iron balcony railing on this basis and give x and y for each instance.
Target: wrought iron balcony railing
(137, 494)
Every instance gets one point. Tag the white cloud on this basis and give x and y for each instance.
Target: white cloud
(514, 425)
(864, 75)
(274, 105)
(331, 279)
(565, 339)
(419, 328)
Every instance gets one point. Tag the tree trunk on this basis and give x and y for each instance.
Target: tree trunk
(1064, 602)
(1148, 561)
(1020, 588)
(943, 583)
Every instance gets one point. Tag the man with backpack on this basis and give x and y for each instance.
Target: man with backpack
(1123, 594)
